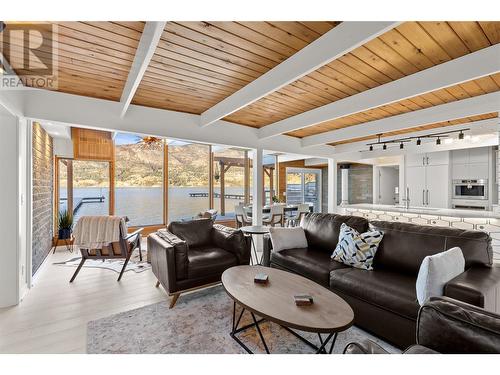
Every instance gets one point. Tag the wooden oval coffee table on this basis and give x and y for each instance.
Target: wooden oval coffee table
(274, 302)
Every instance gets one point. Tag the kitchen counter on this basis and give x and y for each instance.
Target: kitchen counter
(448, 212)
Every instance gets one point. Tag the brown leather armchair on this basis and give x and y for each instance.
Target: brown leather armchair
(193, 254)
(447, 326)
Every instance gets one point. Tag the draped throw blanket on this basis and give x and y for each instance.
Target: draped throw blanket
(94, 232)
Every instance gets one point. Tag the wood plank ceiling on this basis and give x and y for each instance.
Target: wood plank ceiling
(94, 58)
(197, 64)
(407, 49)
(436, 125)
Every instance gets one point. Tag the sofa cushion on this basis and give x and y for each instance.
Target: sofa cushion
(287, 238)
(386, 289)
(405, 245)
(357, 249)
(322, 230)
(436, 271)
(195, 232)
(208, 260)
(313, 264)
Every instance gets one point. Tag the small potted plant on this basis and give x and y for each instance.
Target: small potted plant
(65, 225)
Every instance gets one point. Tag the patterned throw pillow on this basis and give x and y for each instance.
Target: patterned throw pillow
(355, 249)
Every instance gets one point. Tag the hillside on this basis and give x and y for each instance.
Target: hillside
(139, 167)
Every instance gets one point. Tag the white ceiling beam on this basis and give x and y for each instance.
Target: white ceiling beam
(145, 50)
(75, 110)
(450, 111)
(328, 47)
(476, 127)
(462, 69)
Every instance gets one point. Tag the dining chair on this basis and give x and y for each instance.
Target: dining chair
(302, 209)
(241, 216)
(277, 216)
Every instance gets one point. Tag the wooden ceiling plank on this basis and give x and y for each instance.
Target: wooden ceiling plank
(145, 50)
(320, 27)
(392, 57)
(93, 33)
(176, 43)
(328, 47)
(277, 34)
(471, 34)
(299, 31)
(193, 35)
(492, 30)
(256, 37)
(466, 68)
(413, 32)
(443, 34)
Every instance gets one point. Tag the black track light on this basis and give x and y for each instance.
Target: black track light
(438, 141)
(384, 147)
(371, 148)
(419, 142)
(461, 135)
(401, 146)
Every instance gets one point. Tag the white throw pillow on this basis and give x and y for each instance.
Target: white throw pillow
(436, 270)
(357, 249)
(287, 238)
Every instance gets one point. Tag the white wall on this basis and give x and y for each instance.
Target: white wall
(9, 212)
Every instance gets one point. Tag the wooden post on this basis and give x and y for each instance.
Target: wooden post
(222, 190)
(210, 178)
(247, 178)
(112, 186)
(69, 186)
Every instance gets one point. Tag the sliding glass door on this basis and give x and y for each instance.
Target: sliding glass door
(303, 185)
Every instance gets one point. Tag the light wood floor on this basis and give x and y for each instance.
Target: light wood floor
(53, 316)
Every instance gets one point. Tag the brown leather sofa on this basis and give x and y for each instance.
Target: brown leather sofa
(384, 300)
(446, 326)
(193, 254)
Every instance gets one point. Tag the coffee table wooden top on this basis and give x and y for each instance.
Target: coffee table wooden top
(274, 300)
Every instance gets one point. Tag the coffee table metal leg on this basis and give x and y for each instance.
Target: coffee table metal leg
(333, 343)
(260, 333)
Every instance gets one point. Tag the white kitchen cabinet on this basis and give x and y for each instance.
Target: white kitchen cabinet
(415, 180)
(430, 158)
(414, 160)
(471, 164)
(460, 156)
(478, 155)
(460, 171)
(437, 158)
(437, 186)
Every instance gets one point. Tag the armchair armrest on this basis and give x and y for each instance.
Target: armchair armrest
(133, 234)
(365, 346)
(479, 286)
(449, 326)
(232, 240)
(177, 252)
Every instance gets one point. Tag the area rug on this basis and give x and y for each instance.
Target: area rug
(134, 263)
(199, 323)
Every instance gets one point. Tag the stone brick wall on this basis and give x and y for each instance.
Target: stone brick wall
(43, 171)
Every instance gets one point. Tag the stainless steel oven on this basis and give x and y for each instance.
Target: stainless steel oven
(470, 189)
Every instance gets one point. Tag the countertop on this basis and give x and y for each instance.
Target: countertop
(479, 214)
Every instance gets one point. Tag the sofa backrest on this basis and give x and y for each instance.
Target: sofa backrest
(405, 245)
(196, 232)
(322, 230)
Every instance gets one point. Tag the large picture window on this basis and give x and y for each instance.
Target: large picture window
(139, 179)
(188, 179)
